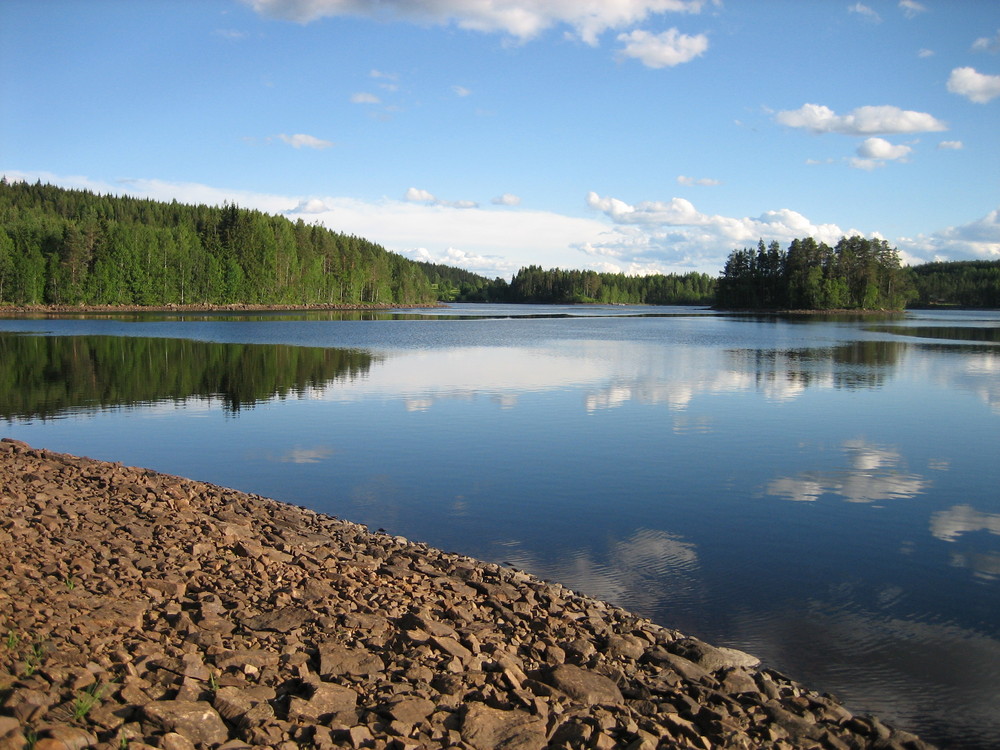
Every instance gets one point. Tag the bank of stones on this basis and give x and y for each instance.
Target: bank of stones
(143, 610)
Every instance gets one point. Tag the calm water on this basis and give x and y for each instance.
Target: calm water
(824, 493)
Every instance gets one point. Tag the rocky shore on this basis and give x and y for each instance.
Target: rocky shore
(143, 610)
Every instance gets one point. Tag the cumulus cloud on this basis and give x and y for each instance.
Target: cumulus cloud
(673, 234)
(310, 206)
(869, 120)
(690, 181)
(973, 85)
(987, 44)
(363, 97)
(865, 12)
(507, 199)
(978, 239)
(664, 50)
(416, 195)
(301, 140)
(911, 8)
(951, 145)
(523, 19)
(875, 152)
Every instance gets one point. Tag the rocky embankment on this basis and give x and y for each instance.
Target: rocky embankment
(143, 610)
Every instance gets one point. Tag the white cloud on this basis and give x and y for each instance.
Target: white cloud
(310, 206)
(865, 12)
(416, 195)
(301, 140)
(975, 86)
(690, 181)
(869, 120)
(232, 34)
(460, 91)
(911, 8)
(977, 239)
(363, 97)
(420, 196)
(987, 44)
(951, 145)
(663, 50)
(874, 152)
(523, 19)
(660, 236)
(925, 53)
(507, 199)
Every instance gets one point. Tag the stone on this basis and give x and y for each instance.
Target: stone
(195, 720)
(281, 620)
(485, 728)
(582, 685)
(336, 659)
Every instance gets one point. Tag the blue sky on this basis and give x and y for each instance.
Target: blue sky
(620, 135)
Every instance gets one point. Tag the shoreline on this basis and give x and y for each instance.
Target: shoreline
(205, 308)
(140, 609)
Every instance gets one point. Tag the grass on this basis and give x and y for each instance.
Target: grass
(87, 699)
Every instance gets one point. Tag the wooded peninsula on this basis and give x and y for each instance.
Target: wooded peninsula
(74, 247)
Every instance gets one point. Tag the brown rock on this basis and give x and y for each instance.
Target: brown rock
(336, 659)
(195, 720)
(582, 685)
(486, 728)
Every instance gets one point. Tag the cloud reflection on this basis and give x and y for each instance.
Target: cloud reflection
(640, 573)
(948, 525)
(299, 455)
(872, 474)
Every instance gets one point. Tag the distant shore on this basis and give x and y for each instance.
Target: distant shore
(204, 308)
(147, 610)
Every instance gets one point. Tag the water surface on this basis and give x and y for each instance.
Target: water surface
(820, 492)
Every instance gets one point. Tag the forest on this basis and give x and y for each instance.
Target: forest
(68, 247)
(857, 273)
(74, 247)
(961, 283)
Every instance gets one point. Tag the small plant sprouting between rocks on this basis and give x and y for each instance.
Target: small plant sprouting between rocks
(87, 699)
(12, 641)
(33, 659)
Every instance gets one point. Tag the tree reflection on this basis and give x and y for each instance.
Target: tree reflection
(48, 376)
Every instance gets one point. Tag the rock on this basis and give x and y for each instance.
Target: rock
(582, 685)
(336, 659)
(409, 710)
(486, 728)
(195, 720)
(282, 620)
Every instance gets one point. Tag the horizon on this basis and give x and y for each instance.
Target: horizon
(636, 137)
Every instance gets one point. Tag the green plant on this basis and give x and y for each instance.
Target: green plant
(86, 700)
(13, 640)
(33, 659)
(70, 583)
(213, 683)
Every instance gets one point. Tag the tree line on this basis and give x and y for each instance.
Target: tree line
(856, 273)
(963, 283)
(60, 246)
(68, 247)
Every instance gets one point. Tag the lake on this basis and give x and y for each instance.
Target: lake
(823, 492)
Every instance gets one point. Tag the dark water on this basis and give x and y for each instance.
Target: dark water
(824, 493)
